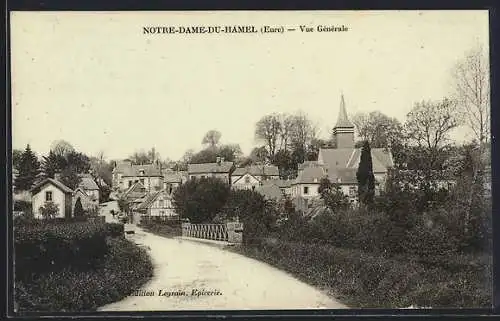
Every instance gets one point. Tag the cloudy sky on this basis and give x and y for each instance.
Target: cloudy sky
(96, 81)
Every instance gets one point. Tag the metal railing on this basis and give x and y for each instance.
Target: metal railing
(216, 232)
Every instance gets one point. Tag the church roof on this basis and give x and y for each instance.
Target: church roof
(342, 120)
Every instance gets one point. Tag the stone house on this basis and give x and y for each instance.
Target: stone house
(51, 190)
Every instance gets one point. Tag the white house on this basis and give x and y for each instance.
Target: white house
(252, 176)
(125, 174)
(51, 190)
(157, 204)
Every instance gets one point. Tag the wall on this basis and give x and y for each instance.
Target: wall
(239, 182)
(148, 181)
(156, 210)
(299, 190)
(222, 176)
(58, 197)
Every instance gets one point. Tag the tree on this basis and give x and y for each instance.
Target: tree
(69, 177)
(200, 200)
(140, 157)
(332, 195)
(78, 211)
(428, 126)
(378, 129)
(472, 91)
(79, 161)
(259, 155)
(49, 210)
(211, 138)
(52, 164)
(302, 132)
(230, 152)
(365, 177)
(268, 130)
(16, 158)
(61, 148)
(28, 170)
(208, 155)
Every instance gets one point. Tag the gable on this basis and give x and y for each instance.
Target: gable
(243, 179)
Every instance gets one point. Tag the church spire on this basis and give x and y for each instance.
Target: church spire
(343, 121)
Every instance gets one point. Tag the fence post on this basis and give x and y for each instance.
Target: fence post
(234, 232)
(186, 227)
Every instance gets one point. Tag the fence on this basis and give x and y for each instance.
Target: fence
(230, 232)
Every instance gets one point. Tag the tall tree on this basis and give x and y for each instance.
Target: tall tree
(268, 130)
(259, 155)
(303, 131)
(365, 177)
(378, 129)
(16, 158)
(28, 170)
(472, 91)
(428, 125)
(211, 138)
(69, 177)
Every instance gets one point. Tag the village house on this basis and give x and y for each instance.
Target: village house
(51, 190)
(125, 174)
(220, 169)
(158, 204)
(134, 192)
(88, 202)
(285, 185)
(89, 187)
(252, 176)
(172, 180)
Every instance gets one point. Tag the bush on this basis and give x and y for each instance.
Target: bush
(115, 229)
(123, 269)
(47, 246)
(367, 280)
(166, 228)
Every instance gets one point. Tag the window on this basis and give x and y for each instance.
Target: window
(48, 196)
(192, 176)
(247, 179)
(129, 183)
(352, 191)
(160, 203)
(142, 181)
(162, 213)
(306, 190)
(202, 176)
(141, 172)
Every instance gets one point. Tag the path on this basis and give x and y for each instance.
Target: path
(244, 283)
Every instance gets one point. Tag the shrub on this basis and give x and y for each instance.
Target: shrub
(123, 269)
(115, 229)
(43, 246)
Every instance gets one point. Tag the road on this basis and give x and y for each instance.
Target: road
(236, 282)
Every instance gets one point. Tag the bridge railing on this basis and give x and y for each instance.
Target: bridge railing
(229, 232)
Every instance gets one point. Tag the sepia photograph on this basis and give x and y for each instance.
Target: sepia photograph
(250, 160)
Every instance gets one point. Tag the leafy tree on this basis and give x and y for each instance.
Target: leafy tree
(52, 164)
(365, 177)
(79, 161)
(28, 170)
(16, 158)
(200, 200)
(259, 155)
(286, 164)
(49, 210)
(211, 138)
(332, 195)
(78, 211)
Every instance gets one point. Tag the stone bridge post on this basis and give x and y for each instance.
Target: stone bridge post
(234, 232)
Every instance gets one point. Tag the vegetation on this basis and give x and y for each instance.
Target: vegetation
(28, 167)
(365, 177)
(74, 266)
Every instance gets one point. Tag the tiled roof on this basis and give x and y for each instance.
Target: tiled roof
(310, 175)
(150, 198)
(257, 170)
(223, 167)
(282, 183)
(136, 190)
(343, 176)
(52, 181)
(88, 182)
(270, 191)
(172, 177)
(335, 158)
(128, 170)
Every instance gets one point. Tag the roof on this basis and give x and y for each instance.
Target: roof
(88, 182)
(223, 167)
(52, 181)
(136, 190)
(148, 199)
(281, 183)
(127, 169)
(257, 170)
(310, 175)
(172, 177)
(335, 158)
(270, 191)
(342, 120)
(308, 164)
(344, 176)
(79, 189)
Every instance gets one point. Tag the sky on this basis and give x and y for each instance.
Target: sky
(95, 80)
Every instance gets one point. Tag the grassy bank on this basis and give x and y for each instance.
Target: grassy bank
(109, 268)
(163, 228)
(365, 280)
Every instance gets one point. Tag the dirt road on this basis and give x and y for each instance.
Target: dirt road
(194, 276)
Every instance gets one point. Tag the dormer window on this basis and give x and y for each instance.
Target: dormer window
(141, 172)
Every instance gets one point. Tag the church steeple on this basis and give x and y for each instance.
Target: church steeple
(343, 132)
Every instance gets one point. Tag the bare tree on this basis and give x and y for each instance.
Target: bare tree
(378, 129)
(286, 121)
(62, 148)
(428, 125)
(211, 138)
(268, 130)
(472, 91)
(303, 131)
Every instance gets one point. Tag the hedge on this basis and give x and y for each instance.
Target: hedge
(365, 280)
(123, 269)
(115, 229)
